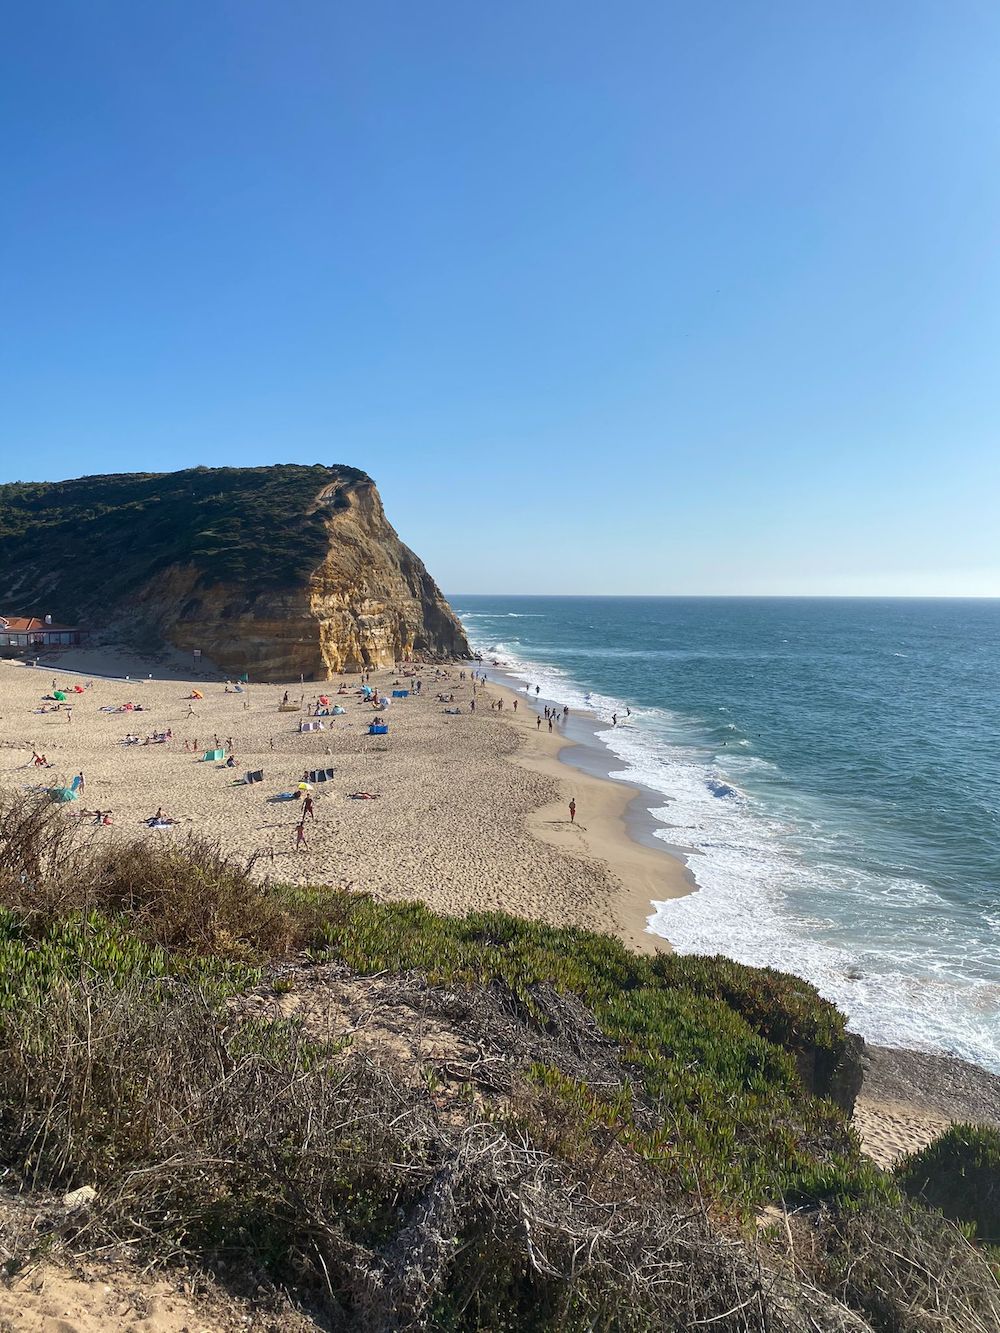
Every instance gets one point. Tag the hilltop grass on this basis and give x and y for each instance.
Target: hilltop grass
(233, 523)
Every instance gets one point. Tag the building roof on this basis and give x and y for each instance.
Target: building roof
(28, 625)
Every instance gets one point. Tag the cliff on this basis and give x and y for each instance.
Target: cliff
(278, 571)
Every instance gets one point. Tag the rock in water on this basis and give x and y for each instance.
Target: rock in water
(279, 571)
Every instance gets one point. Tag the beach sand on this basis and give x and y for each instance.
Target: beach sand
(471, 810)
(471, 814)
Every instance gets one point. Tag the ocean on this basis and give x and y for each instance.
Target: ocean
(833, 767)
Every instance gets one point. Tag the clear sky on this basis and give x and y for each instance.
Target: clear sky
(608, 297)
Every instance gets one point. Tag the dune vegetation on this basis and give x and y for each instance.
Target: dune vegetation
(593, 1140)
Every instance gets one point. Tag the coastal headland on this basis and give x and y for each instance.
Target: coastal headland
(461, 808)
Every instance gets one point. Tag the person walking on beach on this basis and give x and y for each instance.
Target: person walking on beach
(550, 724)
(307, 809)
(515, 705)
(572, 809)
(300, 834)
(538, 722)
(81, 785)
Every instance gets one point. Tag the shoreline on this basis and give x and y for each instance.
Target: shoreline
(646, 872)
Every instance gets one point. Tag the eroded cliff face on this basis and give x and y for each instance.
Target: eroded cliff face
(283, 571)
(369, 603)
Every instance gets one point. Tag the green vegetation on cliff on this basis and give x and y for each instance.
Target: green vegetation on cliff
(424, 1122)
(79, 546)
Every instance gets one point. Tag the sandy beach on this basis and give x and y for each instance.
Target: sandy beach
(470, 812)
(471, 808)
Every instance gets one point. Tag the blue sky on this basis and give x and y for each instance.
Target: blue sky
(644, 297)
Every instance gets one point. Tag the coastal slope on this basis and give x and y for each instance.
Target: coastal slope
(279, 571)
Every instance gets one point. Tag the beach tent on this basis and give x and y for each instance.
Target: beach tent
(375, 730)
(62, 794)
(384, 702)
(338, 711)
(317, 775)
(310, 726)
(210, 756)
(401, 694)
(258, 776)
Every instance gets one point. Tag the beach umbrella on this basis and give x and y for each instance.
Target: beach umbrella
(305, 786)
(58, 694)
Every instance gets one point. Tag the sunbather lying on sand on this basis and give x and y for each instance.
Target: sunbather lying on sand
(364, 795)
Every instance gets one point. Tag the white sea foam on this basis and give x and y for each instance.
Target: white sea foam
(772, 888)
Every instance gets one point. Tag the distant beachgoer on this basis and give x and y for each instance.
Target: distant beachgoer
(538, 722)
(550, 724)
(69, 714)
(572, 810)
(231, 762)
(614, 719)
(81, 785)
(565, 710)
(285, 699)
(537, 690)
(515, 705)
(300, 834)
(307, 808)
(190, 711)
(472, 706)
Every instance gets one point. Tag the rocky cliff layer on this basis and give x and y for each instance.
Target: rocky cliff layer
(281, 571)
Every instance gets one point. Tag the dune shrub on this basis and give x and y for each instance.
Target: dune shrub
(959, 1174)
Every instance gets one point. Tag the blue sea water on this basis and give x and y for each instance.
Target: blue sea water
(833, 767)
